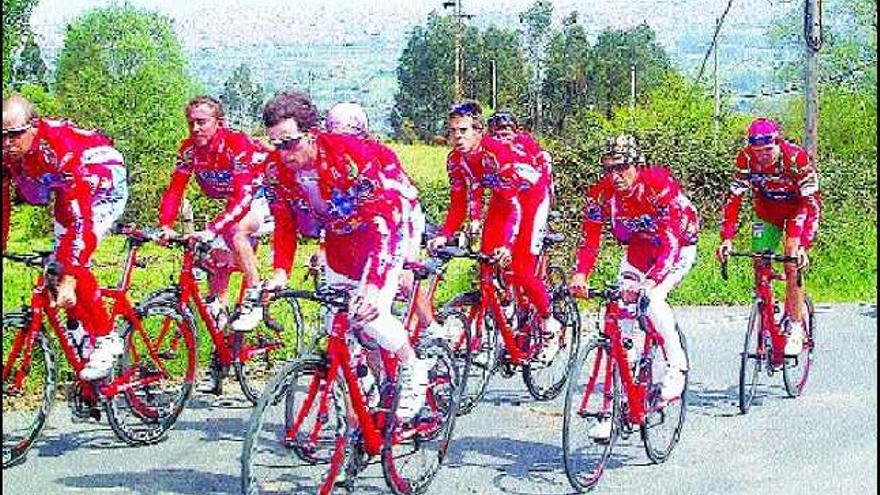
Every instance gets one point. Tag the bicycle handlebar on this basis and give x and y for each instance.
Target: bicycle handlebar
(334, 296)
(143, 235)
(762, 255)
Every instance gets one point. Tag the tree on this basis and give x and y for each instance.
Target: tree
(570, 76)
(536, 35)
(242, 99)
(16, 29)
(122, 70)
(28, 66)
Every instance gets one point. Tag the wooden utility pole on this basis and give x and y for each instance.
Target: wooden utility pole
(716, 114)
(494, 85)
(813, 36)
(459, 59)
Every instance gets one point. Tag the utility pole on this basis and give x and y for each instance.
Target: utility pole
(494, 85)
(632, 86)
(813, 37)
(459, 60)
(716, 115)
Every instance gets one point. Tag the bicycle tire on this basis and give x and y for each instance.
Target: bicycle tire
(429, 436)
(566, 311)
(143, 414)
(584, 464)
(43, 363)
(657, 445)
(459, 346)
(796, 370)
(258, 350)
(748, 375)
(483, 349)
(267, 443)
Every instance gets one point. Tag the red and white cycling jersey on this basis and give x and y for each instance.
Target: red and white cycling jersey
(82, 169)
(785, 193)
(652, 218)
(227, 168)
(344, 192)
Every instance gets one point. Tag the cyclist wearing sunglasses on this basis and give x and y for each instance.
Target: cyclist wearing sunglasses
(226, 165)
(649, 214)
(510, 173)
(88, 178)
(785, 192)
(339, 179)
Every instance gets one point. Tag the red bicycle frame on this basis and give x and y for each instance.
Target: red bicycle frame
(617, 357)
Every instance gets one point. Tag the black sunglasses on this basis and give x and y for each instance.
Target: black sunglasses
(762, 140)
(616, 167)
(287, 143)
(14, 133)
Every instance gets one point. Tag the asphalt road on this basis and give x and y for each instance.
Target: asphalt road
(824, 442)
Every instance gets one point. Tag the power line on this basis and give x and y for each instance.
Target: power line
(714, 39)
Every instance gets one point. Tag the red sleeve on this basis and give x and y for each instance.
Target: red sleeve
(806, 220)
(246, 180)
(591, 229)
(459, 188)
(169, 207)
(739, 186)
(74, 212)
(285, 235)
(7, 206)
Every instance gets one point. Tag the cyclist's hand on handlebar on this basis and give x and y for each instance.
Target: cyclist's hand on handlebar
(474, 229)
(578, 285)
(502, 256)
(205, 236)
(437, 243)
(278, 280)
(723, 251)
(66, 297)
(166, 233)
(803, 259)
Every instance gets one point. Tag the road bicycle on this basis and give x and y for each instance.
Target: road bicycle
(317, 423)
(605, 386)
(145, 392)
(764, 342)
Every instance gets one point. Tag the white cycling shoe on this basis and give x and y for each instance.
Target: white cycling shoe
(102, 359)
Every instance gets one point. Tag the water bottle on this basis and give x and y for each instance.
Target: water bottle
(633, 339)
(78, 338)
(361, 370)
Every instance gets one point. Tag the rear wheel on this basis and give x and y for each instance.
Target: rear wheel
(797, 368)
(415, 449)
(277, 339)
(592, 397)
(25, 407)
(156, 373)
(751, 360)
(297, 438)
(664, 420)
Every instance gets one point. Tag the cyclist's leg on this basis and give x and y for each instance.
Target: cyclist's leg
(242, 238)
(661, 312)
(794, 294)
(528, 246)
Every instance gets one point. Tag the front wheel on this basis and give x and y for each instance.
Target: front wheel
(751, 360)
(545, 381)
(277, 339)
(155, 375)
(297, 437)
(482, 348)
(797, 368)
(590, 424)
(28, 389)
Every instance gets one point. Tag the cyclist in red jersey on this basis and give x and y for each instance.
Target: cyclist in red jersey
(226, 165)
(338, 178)
(649, 214)
(510, 172)
(785, 191)
(88, 178)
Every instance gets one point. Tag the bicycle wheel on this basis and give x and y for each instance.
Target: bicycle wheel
(260, 350)
(483, 349)
(592, 396)
(546, 381)
(414, 450)
(456, 324)
(159, 370)
(297, 438)
(664, 420)
(797, 368)
(750, 360)
(25, 407)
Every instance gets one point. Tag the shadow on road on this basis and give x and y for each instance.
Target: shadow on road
(214, 429)
(159, 481)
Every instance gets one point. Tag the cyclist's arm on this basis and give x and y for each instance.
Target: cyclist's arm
(170, 204)
(7, 206)
(74, 213)
(459, 186)
(739, 186)
(591, 232)
(807, 218)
